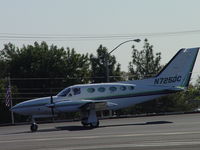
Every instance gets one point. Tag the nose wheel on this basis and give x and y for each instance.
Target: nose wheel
(34, 127)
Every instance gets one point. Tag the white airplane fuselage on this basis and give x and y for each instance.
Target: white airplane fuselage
(118, 95)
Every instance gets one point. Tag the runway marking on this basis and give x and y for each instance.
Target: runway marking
(157, 144)
(99, 136)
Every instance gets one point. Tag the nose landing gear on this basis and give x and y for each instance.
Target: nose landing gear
(34, 126)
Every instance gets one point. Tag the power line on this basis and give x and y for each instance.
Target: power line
(67, 78)
(75, 78)
(61, 37)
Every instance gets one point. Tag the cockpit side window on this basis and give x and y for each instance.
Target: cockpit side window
(123, 88)
(64, 92)
(76, 91)
(131, 87)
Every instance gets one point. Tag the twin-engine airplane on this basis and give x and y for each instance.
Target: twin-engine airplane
(89, 98)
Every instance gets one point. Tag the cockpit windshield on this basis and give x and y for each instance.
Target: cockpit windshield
(64, 92)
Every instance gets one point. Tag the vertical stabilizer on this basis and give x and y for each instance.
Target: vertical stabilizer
(179, 69)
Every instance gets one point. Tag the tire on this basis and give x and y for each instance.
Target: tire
(84, 124)
(34, 127)
(94, 124)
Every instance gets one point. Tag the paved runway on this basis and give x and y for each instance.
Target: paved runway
(159, 132)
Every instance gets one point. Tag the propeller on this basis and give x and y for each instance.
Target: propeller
(52, 106)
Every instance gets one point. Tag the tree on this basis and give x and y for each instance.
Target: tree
(40, 70)
(98, 66)
(3, 67)
(77, 67)
(35, 61)
(197, 85)
(40, 67)
(144, 63)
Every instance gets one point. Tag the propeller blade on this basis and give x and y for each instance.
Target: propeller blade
(52, 106)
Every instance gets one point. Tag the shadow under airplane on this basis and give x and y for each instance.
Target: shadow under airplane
(79, 128)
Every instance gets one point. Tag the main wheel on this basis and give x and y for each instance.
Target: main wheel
(84, 124)
(34, 127)
(94, 124)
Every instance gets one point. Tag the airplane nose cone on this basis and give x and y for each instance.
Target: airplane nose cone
(15, 109)
(21, 108)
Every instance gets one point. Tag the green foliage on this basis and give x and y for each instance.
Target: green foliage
(3, 66)
(34, 61)
(144, 63)
(197, 85)
(77, 67)
(40, 60)
(98, 66)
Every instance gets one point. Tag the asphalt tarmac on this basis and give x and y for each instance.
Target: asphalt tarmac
(172, 132)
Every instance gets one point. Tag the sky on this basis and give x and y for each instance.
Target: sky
(138, 18)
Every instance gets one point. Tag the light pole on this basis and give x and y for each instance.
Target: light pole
(107, 56)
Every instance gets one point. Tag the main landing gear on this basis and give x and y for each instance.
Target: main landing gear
(34, 126)
(89, 117)
(92, 124)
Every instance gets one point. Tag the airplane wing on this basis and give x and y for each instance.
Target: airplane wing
(75, 105)
(98, 105)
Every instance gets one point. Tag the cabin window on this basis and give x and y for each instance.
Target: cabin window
(123, 88)
(101, 89)
(64, 92)
(90, 90)
(131, 87)
(112, 88)
(76, 91)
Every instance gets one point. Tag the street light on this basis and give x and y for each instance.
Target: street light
(107, 57)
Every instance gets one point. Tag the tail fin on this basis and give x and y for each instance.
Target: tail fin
(179, 69)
